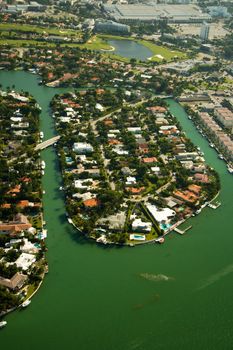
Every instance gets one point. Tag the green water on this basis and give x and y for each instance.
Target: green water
(94, 298)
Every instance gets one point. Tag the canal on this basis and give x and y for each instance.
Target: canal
(94, 298)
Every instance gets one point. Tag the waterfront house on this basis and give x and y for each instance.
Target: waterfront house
(114, 222)
(25, 260)
(186, 196)
(161, 215)
(141, 226)
(14, 283)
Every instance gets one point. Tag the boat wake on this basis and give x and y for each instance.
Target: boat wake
(155, 278)
(216, 277)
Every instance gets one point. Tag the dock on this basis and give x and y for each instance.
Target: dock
(181, 232)
(214, 205)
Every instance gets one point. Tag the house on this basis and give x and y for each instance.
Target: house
(25, 260)
(187, 156)
(83, 184)
(149, 160)
(91, 203)
(157, 109)
(135, 190)
(155, 170)
(135, 130)
(28, 247)
(195, 189)
(130, 180)
(19, 224)
(203, 178)
(82, 148)
(15, 283)
(114, 222)
(139, 225)
(161, 215)
(126, 170)
(99, 107)
(186, 196)
(94, 172)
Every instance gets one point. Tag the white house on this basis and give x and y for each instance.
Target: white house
(25, 260)
(131, 180)
(161, 214)
(82, 148)
(139, 225)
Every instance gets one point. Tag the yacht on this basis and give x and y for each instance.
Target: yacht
(221, 156)
(211, 145)
(26, 303)
(41, 135)
(42, 164)
(3, 324)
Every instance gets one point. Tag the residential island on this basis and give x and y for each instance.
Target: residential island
(130, 175)
(22, 248)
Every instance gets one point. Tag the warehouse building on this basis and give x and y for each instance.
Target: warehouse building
(187, 13)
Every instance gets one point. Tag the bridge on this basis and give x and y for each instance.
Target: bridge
(47, 143)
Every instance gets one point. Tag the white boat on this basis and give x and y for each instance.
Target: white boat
(43, 164)
(220, 156)
(26, 303)
(230, 169)
(41, 135)
(3, 324)
(211, 145)
(60, 188)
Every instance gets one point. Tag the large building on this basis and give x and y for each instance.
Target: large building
(112, 27)
(204, 33)
(187, 13)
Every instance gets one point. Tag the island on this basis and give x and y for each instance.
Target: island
(130, 174)
(22, 248)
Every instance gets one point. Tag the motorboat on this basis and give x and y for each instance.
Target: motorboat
(3, 324)
(26, 303)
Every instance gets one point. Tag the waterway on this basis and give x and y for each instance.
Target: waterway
(94, 298)
(130, 49)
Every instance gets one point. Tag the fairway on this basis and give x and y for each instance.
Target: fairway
(14, 27)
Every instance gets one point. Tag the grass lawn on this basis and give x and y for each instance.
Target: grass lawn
(37, 29)
(166, 53)
(96, 43)
(25, 43)
(30, 290)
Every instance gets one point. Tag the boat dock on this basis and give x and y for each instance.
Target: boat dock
(181, 232)
(214, 205)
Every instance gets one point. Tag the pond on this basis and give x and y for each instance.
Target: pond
(130, 49)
